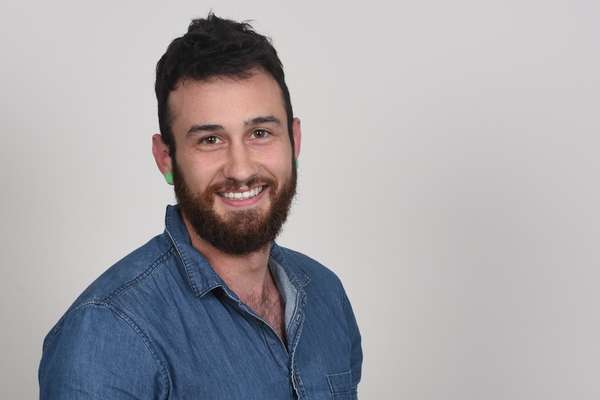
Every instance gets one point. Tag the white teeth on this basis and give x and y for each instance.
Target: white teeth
(244, 195)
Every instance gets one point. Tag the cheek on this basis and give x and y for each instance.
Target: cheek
(279, 167)
(202, 178)
(198, 175)
(279, 160)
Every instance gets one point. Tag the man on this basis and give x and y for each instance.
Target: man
(213, 308)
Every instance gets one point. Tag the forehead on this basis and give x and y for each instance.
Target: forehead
(224, 100)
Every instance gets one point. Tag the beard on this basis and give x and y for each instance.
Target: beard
(238, 232)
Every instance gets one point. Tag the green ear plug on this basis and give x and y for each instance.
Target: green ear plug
(169, 177)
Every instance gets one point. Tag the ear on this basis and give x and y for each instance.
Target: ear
(161, 154)
(297, 134)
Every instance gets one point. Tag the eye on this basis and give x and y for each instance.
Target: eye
(210, 140)
(260, 133)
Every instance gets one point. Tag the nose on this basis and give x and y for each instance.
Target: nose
(240, 165)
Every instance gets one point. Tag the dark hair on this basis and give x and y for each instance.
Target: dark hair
(213, 47)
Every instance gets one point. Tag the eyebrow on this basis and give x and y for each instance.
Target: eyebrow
(263, 120)
(269, 119)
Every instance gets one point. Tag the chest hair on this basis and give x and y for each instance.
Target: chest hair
(270, 308)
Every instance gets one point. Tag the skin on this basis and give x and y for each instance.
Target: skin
(238, 149)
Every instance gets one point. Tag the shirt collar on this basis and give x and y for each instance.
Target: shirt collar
(196, 269)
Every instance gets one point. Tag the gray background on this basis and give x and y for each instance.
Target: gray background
(448, 174)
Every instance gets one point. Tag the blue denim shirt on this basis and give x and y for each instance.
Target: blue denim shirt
(161, 324)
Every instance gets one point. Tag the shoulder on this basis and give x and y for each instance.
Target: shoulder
(129, 270)
(127, 273)
(98, 333)
(100, 352)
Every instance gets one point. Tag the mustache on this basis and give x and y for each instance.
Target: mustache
(234, 185)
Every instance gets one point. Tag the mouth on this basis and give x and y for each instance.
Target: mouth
(243, 198)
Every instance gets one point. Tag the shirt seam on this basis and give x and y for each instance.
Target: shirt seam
(147, 343)
(146, 273)
(162, 369)
(107, 302)
(184, 261)
(107, 299)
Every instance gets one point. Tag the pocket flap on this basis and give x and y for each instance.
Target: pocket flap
(340, 383)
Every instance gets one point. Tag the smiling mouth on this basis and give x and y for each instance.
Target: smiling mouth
(246, 195)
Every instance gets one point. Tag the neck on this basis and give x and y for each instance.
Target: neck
(247, 275)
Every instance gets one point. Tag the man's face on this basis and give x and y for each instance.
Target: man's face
(233, 174)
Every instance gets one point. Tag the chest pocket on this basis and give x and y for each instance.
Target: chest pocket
(341, 386)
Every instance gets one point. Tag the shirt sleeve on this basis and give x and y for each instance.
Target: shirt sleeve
(356, 356)
(99, 353)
